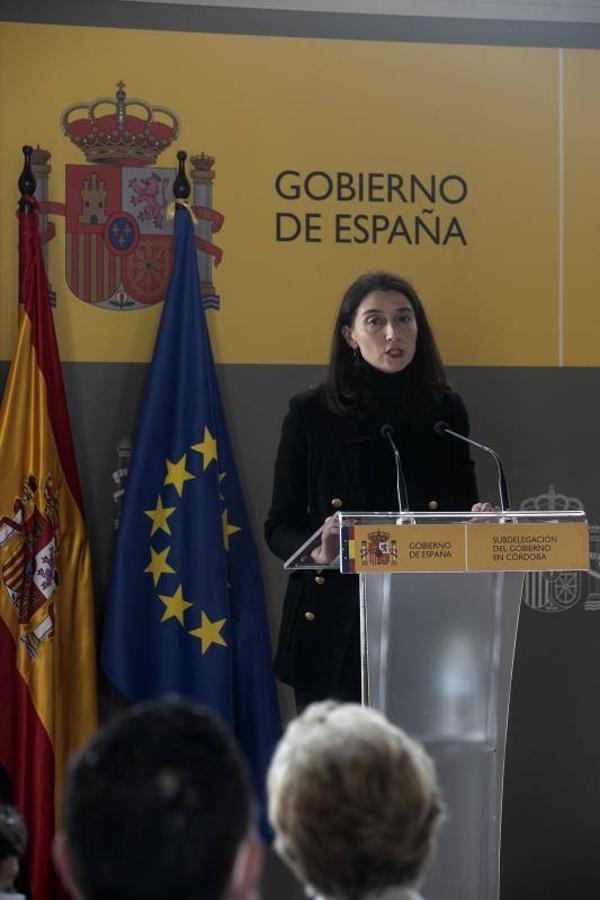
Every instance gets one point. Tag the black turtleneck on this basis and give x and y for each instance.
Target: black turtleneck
(391, 391)
(392, 394)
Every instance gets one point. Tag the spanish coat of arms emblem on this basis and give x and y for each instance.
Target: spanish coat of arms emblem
(119, 244)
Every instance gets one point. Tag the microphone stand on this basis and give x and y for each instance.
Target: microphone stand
(387, 432)
(443, 428)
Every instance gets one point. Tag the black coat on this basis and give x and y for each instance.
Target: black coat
(322, 459)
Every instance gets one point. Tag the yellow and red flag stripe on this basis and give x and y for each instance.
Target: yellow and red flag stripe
(47, 643)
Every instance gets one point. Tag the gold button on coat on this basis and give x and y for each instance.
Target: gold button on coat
(336, 503)
(319, 579)
(309, 616)
(433, 504)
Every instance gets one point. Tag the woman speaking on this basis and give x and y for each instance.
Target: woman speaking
(385, 369)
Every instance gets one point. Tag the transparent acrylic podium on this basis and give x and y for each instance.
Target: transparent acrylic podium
(439, 611)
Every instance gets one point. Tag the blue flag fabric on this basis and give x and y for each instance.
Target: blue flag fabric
(186, 610)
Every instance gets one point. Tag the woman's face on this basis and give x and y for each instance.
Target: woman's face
(384, 331)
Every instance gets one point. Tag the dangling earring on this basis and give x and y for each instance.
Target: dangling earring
(356, 357)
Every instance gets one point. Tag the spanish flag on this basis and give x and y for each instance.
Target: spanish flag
(47, 645)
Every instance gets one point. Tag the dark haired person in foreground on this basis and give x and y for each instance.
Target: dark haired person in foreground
(354, 803)
(158, 807)
(13, 843)
(385, 368)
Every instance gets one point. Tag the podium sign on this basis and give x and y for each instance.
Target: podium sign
(528, 548)
(470, 547)
(403, 548)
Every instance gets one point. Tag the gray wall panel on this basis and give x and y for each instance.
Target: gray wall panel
(536, 418)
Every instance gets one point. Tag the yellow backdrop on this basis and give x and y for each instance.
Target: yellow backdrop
(485, 119)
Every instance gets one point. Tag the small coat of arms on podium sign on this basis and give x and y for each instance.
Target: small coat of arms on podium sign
(379, 549)
(119, 238)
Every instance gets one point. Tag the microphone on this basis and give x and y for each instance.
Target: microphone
(443, 428)
(387, 432)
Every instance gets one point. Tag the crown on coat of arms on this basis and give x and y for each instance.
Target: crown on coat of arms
(121, 131)
(552, 500)
(378, 537)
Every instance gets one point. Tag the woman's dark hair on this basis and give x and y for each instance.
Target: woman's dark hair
(346, 388)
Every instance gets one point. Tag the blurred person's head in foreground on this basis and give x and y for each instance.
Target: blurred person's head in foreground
(354, 802)
(158, 805)
(13, 843)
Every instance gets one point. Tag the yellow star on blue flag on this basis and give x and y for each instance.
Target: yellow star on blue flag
(209, 633)
(208, 448)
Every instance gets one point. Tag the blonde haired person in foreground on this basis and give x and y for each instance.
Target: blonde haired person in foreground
(354, 803)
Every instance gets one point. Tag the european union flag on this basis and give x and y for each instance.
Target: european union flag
(186, 609)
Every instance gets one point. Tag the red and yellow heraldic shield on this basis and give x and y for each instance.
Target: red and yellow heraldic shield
(119, 242)
(47, 645)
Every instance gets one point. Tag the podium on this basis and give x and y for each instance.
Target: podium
(439, 602)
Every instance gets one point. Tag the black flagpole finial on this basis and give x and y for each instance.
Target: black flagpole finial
(27, 182)
(181, 185)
